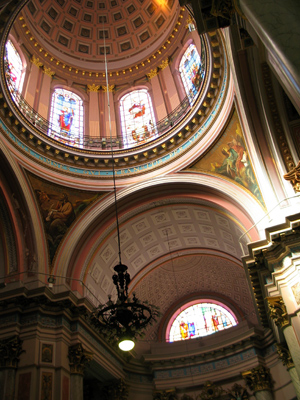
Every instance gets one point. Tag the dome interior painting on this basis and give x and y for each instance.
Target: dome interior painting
(149, 191)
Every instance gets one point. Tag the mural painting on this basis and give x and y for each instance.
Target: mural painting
(229, 157)
(59, 208)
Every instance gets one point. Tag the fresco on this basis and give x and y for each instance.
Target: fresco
(229, 157)
(59, 207)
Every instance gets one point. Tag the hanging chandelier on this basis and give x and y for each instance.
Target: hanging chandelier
(125, 319)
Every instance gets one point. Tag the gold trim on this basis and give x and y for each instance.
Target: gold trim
(93, 88)
(36, 61)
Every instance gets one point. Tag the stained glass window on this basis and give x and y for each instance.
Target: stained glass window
(13, 67)
(200, 319)
(66, 117)
(191, 71)
(137, 118)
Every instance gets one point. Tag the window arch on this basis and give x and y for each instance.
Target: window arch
(191, 72)
(199, 318)
(137, 118)
(14, 70)
(66, 117)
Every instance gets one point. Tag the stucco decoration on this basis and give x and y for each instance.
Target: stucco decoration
(59, 207)
(229, 157)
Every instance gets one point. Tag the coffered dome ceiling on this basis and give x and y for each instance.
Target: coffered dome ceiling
(79, 30)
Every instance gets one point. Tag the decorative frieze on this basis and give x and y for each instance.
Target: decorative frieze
(78, 358)
(277, 311)
(258, 379)
(284, 355)
(10, 350)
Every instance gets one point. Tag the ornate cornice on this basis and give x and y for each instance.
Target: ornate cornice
(258, 379)
(284, 355)
(111, 88)
(48, 71)
(36, 61)
(93, 88)
(152, 73)
(78, 358)
(277, 311)
(10, 350)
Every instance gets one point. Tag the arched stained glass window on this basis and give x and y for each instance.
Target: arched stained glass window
(66, 117)
(137, 118)
(13, 67)
(191, 72)
(199, 319)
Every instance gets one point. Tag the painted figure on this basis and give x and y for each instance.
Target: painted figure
(62, 218)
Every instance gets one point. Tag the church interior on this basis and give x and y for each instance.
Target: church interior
(149, 190)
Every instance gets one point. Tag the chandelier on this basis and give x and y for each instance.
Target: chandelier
(125, 319)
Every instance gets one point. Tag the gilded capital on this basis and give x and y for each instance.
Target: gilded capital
(48, 71)
(284, 355)
(93, 88)
(294, 177)
(78, 358)
(109, 88)
(258, 379)
(152, 73)
(36, 61)
(277, 311)
(10, 350)
(164, 64)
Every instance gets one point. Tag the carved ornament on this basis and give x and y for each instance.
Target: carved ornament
(294, 177)
(111, 88)
(258, 379)
(222, 8)
(165, 395)
(210, 391)
(277, 311)
(238, 392)
(152, 73)
(78, 358)
(93, 88)
(284, 355)
(164, 64)
(48, 71)
(10, 350)
(36, 61)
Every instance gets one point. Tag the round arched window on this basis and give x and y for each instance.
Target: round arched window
(199, 318)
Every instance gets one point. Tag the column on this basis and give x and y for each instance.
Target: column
(94, 120)
(109, 111)
(167, 76)
(285, 356)
(78, 360)
(158, 97)
(32, 80)
(278, 313)
(44, 100)
(277, 25)
(259, 380)
(10, 350)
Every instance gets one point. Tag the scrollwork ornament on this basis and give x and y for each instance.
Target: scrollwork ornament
(258, 379)
(284, 355)
(78, 358)
(277, 311)
(10, 350)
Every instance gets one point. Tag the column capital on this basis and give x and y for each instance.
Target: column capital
(152, 73)
(277, 311)
(284, 355)
(109, 88)
(258, 379)
(48, 71)
(36, 61)
(164, 64)
(10, 350)
(93, 88)
(78, 358)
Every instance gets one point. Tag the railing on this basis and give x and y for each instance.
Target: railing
(100, 143)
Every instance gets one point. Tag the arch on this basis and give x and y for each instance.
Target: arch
(199, 318)
(137, 117)
(15, 67)
(66, 116)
